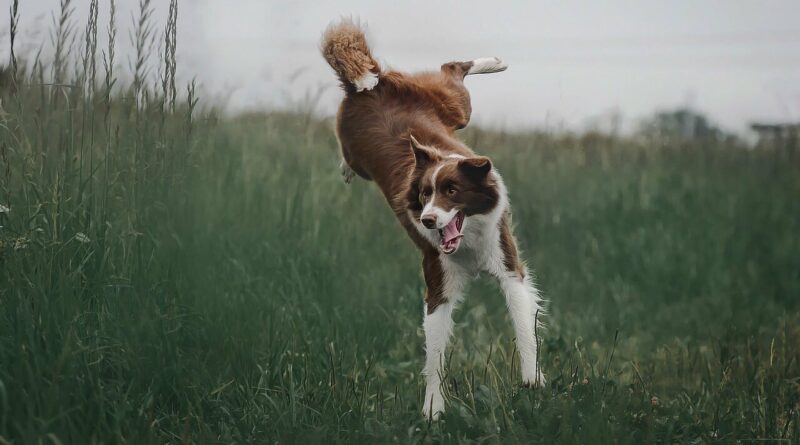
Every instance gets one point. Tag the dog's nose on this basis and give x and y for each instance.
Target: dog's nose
(428, 221)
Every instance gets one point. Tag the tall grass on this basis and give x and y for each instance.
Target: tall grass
(168, 276)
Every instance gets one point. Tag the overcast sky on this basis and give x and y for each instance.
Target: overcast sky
(569, 62)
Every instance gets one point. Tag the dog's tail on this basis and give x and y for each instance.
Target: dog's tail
(345, 48)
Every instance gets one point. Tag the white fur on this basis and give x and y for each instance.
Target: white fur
(486, 65)
(367, 81)
(522, 300)
(438, 328)
(430, 235)
(480, 251)
(436, 172)
(443, 217)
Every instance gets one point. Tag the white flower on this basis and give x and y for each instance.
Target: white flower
(4, 209)
(82, 238)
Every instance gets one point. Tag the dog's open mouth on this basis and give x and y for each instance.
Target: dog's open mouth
(451, 234)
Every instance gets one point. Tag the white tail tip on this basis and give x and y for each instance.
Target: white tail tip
(367, 81)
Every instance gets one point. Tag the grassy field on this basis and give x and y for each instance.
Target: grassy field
(167, 276)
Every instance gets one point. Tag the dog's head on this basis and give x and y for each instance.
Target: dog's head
(446, 190)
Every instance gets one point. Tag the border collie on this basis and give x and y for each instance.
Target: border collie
(397, 130)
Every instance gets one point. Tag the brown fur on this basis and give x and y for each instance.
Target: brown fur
(511, 257)
(374, 127)
(473, 190)
(346, 51)
(434, 281)
(375, 130)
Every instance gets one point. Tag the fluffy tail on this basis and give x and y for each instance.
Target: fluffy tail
(345, 48)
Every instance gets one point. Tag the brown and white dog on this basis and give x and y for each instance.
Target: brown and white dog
(397, 130)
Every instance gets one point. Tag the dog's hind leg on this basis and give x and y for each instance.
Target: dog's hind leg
(486, 65)
(347, 173)
(483, 65)
(458, 108)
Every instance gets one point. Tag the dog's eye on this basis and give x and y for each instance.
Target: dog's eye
(451, 190)
(426, 194)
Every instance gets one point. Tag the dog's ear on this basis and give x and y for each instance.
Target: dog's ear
(422, 155)
(477, 167)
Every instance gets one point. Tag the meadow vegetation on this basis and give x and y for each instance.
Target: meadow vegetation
(170, 276)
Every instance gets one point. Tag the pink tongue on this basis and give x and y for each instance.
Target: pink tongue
(451, 231)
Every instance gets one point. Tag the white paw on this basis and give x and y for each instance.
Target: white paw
(433, 406)
(347, 173)
(486, 65)
(533, 379)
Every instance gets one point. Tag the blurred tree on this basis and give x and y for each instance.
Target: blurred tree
(785, 136)
(683, 125)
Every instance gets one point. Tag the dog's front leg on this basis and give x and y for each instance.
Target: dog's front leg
(522, 299)
(444, 290)
(438, 327)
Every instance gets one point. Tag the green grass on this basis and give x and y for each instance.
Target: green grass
(171, 277)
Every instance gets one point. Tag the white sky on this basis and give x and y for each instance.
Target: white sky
(569, 61)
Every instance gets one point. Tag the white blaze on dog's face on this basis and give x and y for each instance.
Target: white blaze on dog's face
(446, 190)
